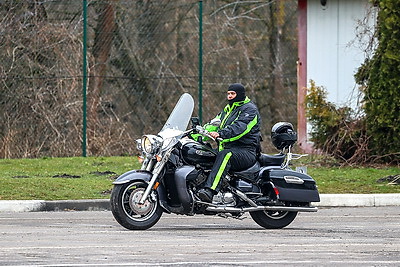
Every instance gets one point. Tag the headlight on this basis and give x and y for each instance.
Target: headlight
(151, 143)
(147, 144)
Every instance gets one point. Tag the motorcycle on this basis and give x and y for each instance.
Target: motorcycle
(175, 166)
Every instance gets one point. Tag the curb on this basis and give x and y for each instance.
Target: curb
(327, 200)
(21, 205)
(76, 205)
(358, 200)
(55, 205)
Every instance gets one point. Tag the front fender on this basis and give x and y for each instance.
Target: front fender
(135, 175)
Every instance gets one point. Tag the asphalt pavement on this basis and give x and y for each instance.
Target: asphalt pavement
(327, 200)
(343, 236)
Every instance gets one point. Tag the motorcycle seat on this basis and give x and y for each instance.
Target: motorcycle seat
(271, 160)
(250, 173)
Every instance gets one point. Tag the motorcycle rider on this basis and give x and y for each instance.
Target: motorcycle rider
(240, 131)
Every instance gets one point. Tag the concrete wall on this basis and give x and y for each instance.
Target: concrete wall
(334, 49)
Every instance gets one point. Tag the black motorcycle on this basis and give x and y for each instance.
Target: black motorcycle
(175, 166)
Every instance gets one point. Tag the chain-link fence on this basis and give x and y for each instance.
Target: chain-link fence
(142, 55)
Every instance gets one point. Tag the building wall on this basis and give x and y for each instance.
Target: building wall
(334, 51)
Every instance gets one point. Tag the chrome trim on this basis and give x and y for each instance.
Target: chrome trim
(293, 179)
(260, 208)
(157, 170)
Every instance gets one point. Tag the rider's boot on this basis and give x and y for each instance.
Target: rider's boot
(206, 194)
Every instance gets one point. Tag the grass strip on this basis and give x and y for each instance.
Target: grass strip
(92, 177)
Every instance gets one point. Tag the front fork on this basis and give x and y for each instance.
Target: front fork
(156, 172)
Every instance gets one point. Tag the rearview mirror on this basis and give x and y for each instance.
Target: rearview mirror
(195, 121)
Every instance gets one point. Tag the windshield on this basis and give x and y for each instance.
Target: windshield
(180, 116)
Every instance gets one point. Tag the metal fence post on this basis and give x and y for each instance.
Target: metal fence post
(84, 81)
(201, 61)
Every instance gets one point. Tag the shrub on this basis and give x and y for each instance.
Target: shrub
(380, 78)
(336, 131)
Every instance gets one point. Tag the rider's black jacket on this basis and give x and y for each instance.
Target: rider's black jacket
(240, 125)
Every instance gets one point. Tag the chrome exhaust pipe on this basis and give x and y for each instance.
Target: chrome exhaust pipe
(258, 208)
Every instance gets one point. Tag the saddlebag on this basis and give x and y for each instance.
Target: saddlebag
(293, 186)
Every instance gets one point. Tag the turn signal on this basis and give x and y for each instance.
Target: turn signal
(140, 159)
(156, 185)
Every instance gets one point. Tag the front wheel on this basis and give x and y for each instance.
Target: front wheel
(129, 212)
(273, 219)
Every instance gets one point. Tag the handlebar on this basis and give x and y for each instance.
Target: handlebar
(206, 133)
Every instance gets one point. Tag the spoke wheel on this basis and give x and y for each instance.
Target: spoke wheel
(127, 209)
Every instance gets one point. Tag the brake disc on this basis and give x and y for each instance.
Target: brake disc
(134, 199)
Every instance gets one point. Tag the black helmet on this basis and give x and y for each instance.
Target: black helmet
(283, 135)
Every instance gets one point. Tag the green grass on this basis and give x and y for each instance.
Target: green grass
(92, 177)
(61, 178)
(332, 178)
(349, 180)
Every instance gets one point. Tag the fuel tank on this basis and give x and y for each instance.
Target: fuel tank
(195, 153)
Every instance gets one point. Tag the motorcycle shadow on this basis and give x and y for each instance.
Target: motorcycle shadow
(225, 228)
(204, 228)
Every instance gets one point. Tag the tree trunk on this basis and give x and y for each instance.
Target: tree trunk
(104, 34)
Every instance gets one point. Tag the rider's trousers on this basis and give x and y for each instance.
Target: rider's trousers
(235, 159)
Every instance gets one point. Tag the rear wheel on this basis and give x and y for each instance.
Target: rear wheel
(129, 212)
(273, 219)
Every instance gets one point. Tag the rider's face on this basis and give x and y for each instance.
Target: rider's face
(231, 95)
